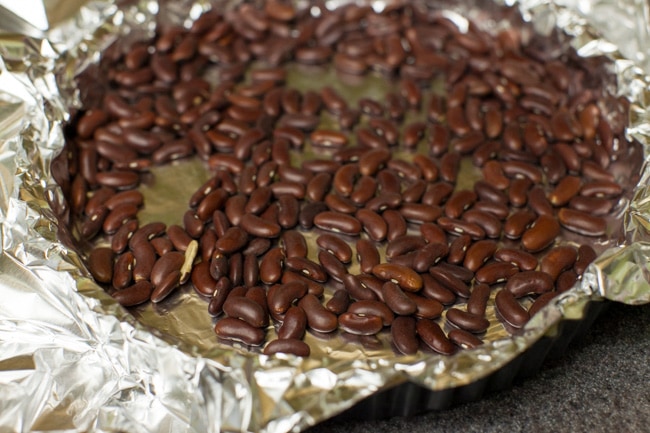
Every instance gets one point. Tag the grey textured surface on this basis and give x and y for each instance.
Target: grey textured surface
(601, 384)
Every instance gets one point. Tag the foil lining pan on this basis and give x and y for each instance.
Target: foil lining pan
(71, 359)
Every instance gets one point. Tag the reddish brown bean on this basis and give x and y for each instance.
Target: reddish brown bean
(318, 317)
(236, 330)
(136, 294)
(510, 310)
(582, 222)
(100, 264)
(434, 337)
(541, 234)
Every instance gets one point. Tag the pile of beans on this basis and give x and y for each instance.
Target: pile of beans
(400, 247)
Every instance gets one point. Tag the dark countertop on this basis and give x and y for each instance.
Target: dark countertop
(601, 384)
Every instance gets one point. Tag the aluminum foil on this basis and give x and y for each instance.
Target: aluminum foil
(71, 359)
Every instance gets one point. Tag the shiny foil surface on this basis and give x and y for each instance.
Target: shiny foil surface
(71, 359)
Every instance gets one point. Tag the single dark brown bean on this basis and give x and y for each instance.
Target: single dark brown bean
(339, 302)
(389, 183)
(118, 179)
(221, 291)
(333, 266)
(284, 295)
(318, 317)
(518, 191)
(432, 233)
(135, 294)
(467, 321)
(344, 179)
(358, 287)
(464, 339)
(306, 267)
(233, 240)
(236, 330)
(338, 222)
(565, 281)
(419, 212)
(192, 224)
(525, 261)
(582, 222)
(493, 174)
(336, 246)
(168, 284)
(318, 186)
(390, 200)
(458, 248)
(166, 264)
(291, 346)
(132, 197)
(405, 277)
(518, 223)
(586, 255)
(558, 259)
(294, 189)
(459, 227)
(251, 270)
(236, 269)
(540, 302)
(596, 206)
(245, 309)
(449, 166)
(538, 201)
(100, 264)
(478, 299)
(565, 190)
(293, 244)
(478, 253)
(404, 336)
(219, 265)
(201, 279)
(541, 234)
(123, 270)
(458, 202)
(271, 266)
(294, 323)
(429, 255)
(434, 337)
(496, 272)
(256, 247)
(457, 271)
(179, 237)
(529, 282)
(438, 139)
(360, 324)
(256, 226)
(510, 310)
(397, 300)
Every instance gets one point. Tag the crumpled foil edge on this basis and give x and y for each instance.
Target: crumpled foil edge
(75, 361)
